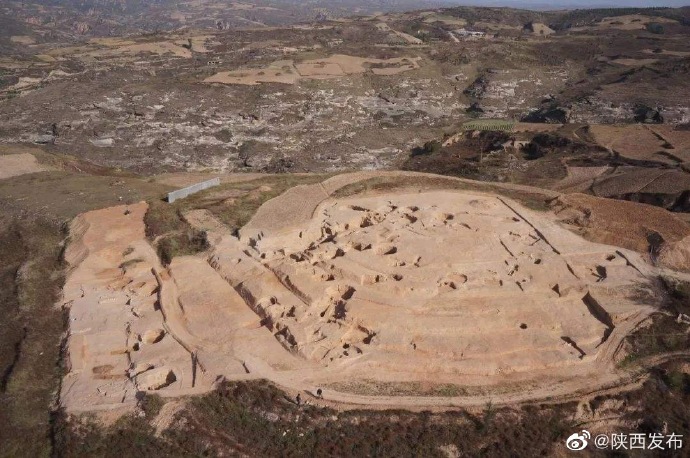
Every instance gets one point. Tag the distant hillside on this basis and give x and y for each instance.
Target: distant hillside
(572, 4)
(561, 19)
(117, 17)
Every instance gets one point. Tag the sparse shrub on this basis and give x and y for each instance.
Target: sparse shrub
(187, 243)
(677, 380)
(430, 147)
(245, 151)
(678, 294)
(655, 27)
(474, 111)
(225, 135)
(548, 115)
(151, 404)
(162, 218)
(130, 262)
(450, 55)
(279, 164)
(488, 416)
(175, 237)
(256, 419)
(477, 88)
(648, 115)
(629, 360)
(542, 143)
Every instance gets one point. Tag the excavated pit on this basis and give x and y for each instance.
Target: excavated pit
(472, 281)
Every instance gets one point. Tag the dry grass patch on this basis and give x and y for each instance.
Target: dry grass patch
(31, 277)
(174, 236)
(634, 62)
(60, 195)
(619, 223)
(22, 39)
(635, 141)
(632, 22)
(19, 164)
(339, 65)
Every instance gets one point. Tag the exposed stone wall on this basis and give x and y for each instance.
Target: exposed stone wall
(193, 189)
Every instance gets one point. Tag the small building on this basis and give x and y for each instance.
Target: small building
(464, 33)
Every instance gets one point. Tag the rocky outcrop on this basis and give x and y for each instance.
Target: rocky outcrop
(647, 115)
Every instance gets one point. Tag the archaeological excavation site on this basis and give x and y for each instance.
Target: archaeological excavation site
(348, 291)
(344, 228)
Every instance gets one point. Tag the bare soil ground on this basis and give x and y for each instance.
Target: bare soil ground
(19, 164)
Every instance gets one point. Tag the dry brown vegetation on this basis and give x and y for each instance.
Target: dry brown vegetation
(256, 419)
(626, 224)
(663, 333)
(30, 334)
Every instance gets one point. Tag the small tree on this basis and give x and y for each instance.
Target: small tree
(430, 147)
(655, 27)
